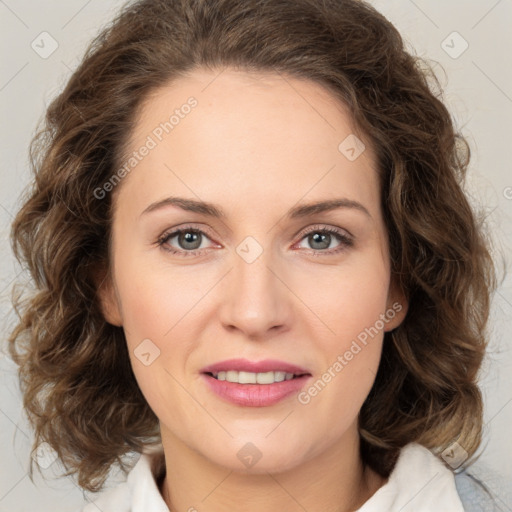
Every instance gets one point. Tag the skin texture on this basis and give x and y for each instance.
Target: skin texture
(255, 145)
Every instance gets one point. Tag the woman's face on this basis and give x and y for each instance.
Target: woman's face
(254, 276)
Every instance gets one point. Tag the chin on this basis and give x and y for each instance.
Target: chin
(259, 456)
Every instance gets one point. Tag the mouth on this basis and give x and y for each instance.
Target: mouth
(259, 384)
(265, 378)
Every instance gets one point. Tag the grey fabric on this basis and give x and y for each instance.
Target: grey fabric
(475, 495)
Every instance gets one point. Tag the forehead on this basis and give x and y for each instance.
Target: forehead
(237, 134)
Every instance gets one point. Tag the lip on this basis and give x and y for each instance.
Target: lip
(255, 395)
(244, 365)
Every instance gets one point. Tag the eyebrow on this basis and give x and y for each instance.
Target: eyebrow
(212, 210)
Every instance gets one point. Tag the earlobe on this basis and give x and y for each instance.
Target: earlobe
(397, 307)
(108, 300)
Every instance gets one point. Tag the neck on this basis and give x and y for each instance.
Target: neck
(335, 481)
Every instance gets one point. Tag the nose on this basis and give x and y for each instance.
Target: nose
(255, 298)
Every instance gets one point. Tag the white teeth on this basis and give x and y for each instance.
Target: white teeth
(246, 378)
(253, 378)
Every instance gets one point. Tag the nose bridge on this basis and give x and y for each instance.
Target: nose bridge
(255, 299)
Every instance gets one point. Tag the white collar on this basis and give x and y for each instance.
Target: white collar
(419, 482)
(145, 495)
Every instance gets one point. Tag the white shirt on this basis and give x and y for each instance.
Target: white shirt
(419, 482)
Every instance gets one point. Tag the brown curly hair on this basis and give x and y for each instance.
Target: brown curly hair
(79, 390)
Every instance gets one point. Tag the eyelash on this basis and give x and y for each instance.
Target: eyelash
(345, 241)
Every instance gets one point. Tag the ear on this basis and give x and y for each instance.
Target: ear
(107, 296)
(397, 305)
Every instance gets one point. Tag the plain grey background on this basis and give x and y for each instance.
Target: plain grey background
(470, 39)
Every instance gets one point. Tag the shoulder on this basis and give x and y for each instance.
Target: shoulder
(474, 494)
(116, 499)
(462, 492)
(139, 493)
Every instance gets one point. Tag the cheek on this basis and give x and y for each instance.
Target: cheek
(155, 305)
(355, 297)
(154, 302)
(350, 297)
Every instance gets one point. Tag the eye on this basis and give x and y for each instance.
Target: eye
(320, 238)
(190, 241)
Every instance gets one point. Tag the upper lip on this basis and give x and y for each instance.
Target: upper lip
(244, 365)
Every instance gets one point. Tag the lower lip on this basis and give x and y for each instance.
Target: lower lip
(255, 395)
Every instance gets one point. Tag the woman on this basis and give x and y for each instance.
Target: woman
(255, 265)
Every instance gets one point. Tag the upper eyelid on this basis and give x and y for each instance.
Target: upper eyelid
(321, 227)
(171, 233)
